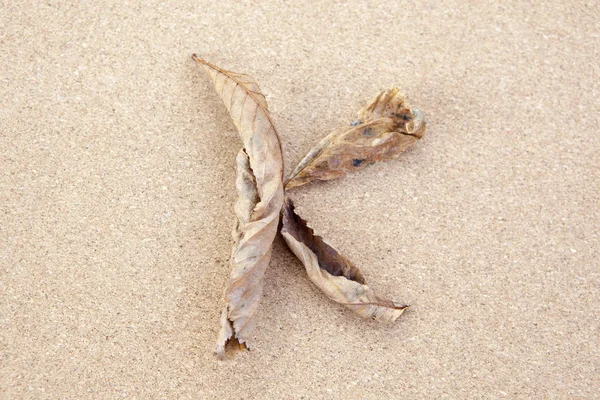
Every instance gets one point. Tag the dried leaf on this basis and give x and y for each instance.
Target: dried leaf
(260, 189)
(333, 273)
(381, 130)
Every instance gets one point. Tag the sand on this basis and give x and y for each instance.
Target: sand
(117, 192)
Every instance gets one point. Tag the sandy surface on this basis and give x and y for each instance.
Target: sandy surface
(117, 191)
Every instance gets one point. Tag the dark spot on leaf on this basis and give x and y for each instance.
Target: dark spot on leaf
(368, 132)
(357, 163)
(404, 116)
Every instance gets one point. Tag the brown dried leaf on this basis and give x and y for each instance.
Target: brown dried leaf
(333, 273)
(260, 197)
(382, 130)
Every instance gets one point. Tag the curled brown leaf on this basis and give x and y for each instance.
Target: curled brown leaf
(333, 273)
(382, 130)
(260, 196)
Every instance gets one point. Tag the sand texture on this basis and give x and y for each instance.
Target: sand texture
(117, 170)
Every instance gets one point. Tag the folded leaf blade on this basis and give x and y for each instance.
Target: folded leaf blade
(333, 273)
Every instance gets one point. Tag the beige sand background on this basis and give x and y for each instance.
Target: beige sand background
(117, 190)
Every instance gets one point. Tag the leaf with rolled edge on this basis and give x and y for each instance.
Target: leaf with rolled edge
(246, 201)
(381, 130)
(260, 197)
(333, 273)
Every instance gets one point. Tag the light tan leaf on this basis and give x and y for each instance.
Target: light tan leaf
(333, 273)
(382, 130)
(260, 197)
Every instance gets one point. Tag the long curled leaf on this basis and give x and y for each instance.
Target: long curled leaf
(260, 189)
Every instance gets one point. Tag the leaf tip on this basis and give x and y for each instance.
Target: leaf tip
(198, 59)
(417, 125)
(232, 345)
